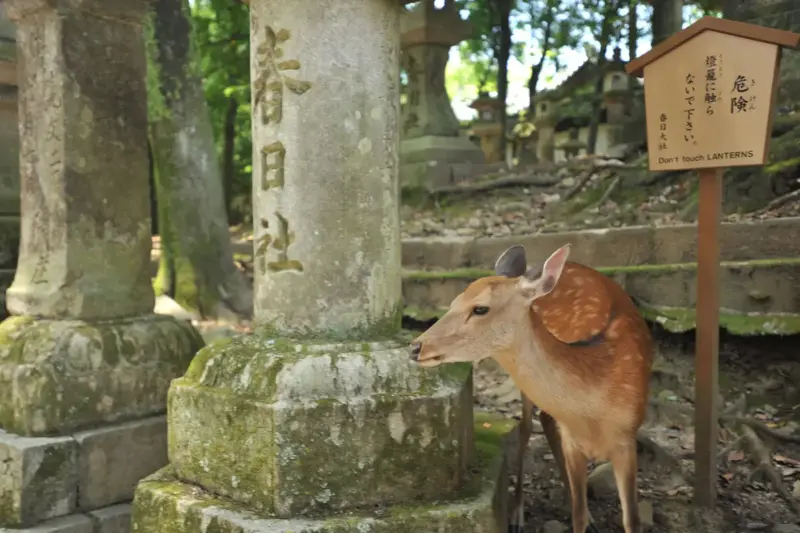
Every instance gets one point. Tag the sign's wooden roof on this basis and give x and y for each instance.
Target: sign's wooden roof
(731, 27)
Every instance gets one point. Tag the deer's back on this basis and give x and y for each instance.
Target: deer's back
(591, 328)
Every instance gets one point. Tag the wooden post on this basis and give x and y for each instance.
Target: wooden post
(709, 101)
(707, 337)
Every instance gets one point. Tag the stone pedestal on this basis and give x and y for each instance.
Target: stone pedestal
(319, 421)
(84, 364)
(433, 151)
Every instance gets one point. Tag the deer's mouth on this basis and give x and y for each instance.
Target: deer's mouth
(431, 360)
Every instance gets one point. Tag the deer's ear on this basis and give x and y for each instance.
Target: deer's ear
(537, 283)
(551, 271)
(511, 263)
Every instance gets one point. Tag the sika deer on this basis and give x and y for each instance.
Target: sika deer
(576, 346)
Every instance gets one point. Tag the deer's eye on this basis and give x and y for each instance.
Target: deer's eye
(480, 310)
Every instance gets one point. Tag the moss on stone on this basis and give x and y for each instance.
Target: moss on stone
(471, 274)
(60, 376)
(381, 329)
(164, 505)
(315, 405)
(680, 320)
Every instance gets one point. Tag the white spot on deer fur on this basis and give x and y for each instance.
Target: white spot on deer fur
(397, 427)
(365, 145)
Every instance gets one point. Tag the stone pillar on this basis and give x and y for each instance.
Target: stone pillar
(431, 142)
(9, 157)
(84, 364)
(321, 411)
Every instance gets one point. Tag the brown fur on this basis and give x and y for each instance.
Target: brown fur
(582, 353)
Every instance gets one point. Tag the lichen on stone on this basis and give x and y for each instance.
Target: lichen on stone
(59, 376)
(292, 427)
(163, 504)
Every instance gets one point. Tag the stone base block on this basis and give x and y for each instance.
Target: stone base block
(114, 519)
(300, 429)
(434, 162)
(112, 460)
(45, 478)
(67, 524)
(436, 148)
(59, 376)
(38, 479)
(164, 504)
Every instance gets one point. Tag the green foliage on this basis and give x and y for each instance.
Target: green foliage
(222, 36)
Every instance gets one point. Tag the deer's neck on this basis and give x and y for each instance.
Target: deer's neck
(541, 367)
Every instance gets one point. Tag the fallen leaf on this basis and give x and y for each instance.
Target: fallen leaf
(735, 456)
(787, 460)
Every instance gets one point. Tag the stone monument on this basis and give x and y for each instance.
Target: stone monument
(433, 152)
(84, 364)
(319, 421)
(9, 157)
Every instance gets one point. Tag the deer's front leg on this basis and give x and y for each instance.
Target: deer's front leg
(525, 431)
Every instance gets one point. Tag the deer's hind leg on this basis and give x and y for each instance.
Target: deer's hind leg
(554, 441)
(625, 463)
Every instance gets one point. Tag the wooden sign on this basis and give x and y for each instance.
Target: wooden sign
(709, 95)
(709, 98)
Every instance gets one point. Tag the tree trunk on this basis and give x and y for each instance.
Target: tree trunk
(228, 152)
(536, 70)
(194, 229)
(633, 38)
(610, 11)
(502, 68)
(730, 8)
(667, 19)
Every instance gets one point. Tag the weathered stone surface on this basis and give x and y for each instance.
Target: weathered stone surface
(60, 376)
(113, 459)
(757, 297)
(635, 245)
(300, 429)
(325, 196)
(85, 223)
(69, 524)
(164, 504)
(38, 479)
(114, 519)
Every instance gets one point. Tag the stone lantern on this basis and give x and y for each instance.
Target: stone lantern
(431, 140)
(487, 126)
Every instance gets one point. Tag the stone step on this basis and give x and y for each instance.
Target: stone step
(756, 297)
(634, 245)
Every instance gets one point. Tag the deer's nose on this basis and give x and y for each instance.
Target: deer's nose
(416, 347)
